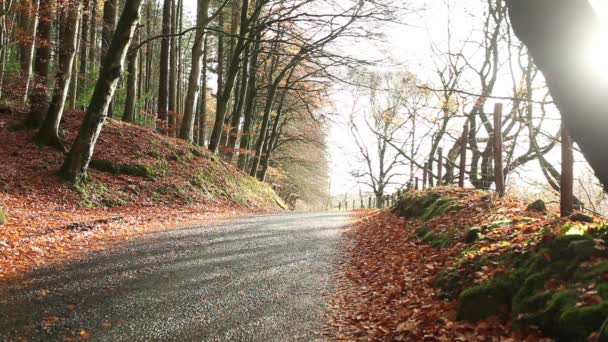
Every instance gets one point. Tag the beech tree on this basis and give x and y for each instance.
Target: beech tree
(194, 80)
(75, 166)
(49, 131)
(39, 97)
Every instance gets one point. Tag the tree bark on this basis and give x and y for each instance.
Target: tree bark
(39, 97)
(233, 68)
(48, 134)
(194, 80)
(556, 33)
(237, 112)
(75, 166)
(132, 87)
(249, 110)
(567, 177)
(27, 48)
(107, 30)
(163, 77)
(93, 36)
(173, 81)
(202, 108)
(83, 69)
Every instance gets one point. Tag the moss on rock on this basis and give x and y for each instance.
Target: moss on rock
(472, 234)
(423, 205)
(484, 300)
(449, 282)
(137, 170)
(538, 205)
(559, 310)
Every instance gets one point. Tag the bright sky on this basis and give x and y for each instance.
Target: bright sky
(411, 46)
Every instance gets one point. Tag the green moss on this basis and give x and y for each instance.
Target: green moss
(196, 152)
(2, 216)
(483, 300)
(556, 313)
(154, 154)
(472, 234)
(437, 208)
(160, 168)
(427, 236)
(448, 281)
(499, 223)
(137, 170)
(181, 155)
(531, 295)
(414, 205)
(538, 205)
(589, 274)
(422, 231)
(577, 323)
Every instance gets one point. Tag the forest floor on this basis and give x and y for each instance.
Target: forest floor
(461, 265)
(138, 181)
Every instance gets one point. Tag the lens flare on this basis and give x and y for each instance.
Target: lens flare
(598, 43)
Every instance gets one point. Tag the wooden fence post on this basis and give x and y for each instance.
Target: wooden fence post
(463, 154)
(425, 175)
(567, 178)
(499, 177)
(440, 167)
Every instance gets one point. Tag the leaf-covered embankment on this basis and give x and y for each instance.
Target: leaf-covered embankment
(450, 264)
(138, 181)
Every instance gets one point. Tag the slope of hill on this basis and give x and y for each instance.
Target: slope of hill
(449, 264)
(138, 180)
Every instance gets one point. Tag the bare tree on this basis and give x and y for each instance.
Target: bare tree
(556, 34)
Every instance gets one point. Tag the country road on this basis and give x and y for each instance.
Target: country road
(255, 279)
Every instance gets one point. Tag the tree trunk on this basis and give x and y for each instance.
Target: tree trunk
(93, 36)
(77, 161)
(194, 80)
(163, 77)
(202, 108)
(107, 30)
(249, 110)
(233, 68)
(556, 33)
(73, 93)
(237, 113)
(567, 177)
(84, 48)
(27, 49)
(39, 94)
(132, 87)
(49, 131)
(173, 80)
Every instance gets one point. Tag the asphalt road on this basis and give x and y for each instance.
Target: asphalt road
(255, 279)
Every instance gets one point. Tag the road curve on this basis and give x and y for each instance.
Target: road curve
(255, 279)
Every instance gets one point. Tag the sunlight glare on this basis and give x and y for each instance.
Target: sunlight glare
(598, 53)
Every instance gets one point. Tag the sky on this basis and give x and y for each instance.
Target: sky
(409, 45)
